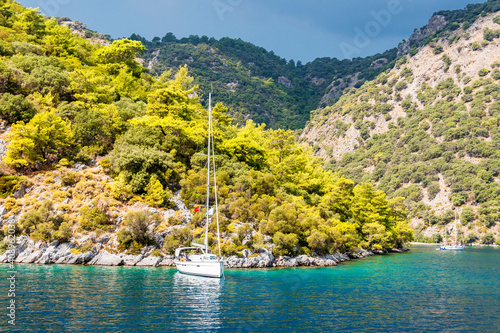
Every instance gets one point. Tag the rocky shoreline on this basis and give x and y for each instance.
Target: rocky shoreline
(27, 251)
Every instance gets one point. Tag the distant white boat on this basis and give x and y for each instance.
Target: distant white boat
(198, 259)
(456, 246)
(453, 247)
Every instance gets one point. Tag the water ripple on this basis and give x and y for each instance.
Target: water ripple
(422, 291)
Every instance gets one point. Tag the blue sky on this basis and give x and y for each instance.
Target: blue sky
(293, 29)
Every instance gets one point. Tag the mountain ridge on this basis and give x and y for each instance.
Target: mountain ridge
(274, 91)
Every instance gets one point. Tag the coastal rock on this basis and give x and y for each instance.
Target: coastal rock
(330, 260)
(45, 259)
(64, 249)
(32, 257)
(74, 259)
(150, 261)
(304, 260)
(107, 259)
(251, 262)
(84, 239)
(353, 255)
(131, 260)
(50, 252)
(363, 253)
(167, 262)
(341, 257)
(58, 255)
(318, 262)
(23, 242)
(288, 262)
(266, 258)
(68, 259)
(103, 239)
(246, 253)
(234, 262)
(402, 250)
(3, 210)
(20, 193)
(87, 257)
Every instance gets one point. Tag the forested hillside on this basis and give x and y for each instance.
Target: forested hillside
(428, 129)
(95, 148)
(259, 85)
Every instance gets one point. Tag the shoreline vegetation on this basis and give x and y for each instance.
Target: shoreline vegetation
(29, 252)
(470, 245)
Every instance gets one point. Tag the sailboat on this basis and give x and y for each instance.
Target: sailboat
(456, 246)
(198, 259)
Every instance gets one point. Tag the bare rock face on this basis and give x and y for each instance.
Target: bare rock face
(131, 260)
(436, 23)
(3, 148)
(107, 259)
(338, 86)
(283, 80)
(150, 261)
(3, 211)
(167, 262)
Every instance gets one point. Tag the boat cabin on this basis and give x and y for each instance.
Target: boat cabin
(194, 254)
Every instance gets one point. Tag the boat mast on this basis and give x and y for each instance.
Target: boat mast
(208, 167)
(215, 192)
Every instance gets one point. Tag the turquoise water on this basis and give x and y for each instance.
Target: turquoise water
(421, 291)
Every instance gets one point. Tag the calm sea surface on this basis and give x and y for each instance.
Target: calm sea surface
(421, 291)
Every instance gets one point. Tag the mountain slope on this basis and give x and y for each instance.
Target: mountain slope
(427, 129)
(256, 84)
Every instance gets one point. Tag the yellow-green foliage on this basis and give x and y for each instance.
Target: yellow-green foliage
(156, 195)
(44, 224)
(94, 218)
(135, 232)
(177, 218)
(70, 178)
(59, 196)
(85, 189)
(10, 184)
(45, 137)
(120, 190)
(11, 205)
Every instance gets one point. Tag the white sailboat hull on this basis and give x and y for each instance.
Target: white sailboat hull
(213, 269)
(452, 248)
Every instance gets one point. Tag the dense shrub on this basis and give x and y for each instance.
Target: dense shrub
(93, 218)
(45, 224)
(136, 230)
(437, 238)
(10, 184)
(14, 108)
(488, 239)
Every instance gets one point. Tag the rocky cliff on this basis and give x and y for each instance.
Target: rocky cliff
(444, 94)
(436, 23)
